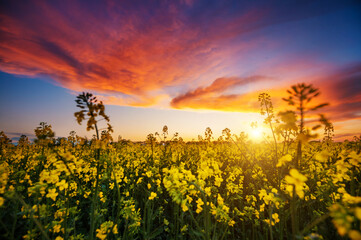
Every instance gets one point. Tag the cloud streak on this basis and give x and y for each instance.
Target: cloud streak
(343, 89)
(214, 97)
(136, 50)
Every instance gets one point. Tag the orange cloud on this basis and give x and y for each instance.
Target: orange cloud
(213, 97)
(340, 88)
(132, 50)
(131, 53)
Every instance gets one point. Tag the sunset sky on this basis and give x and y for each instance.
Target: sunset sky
(186, 64)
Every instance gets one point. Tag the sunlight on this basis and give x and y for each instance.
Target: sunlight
(256, 133)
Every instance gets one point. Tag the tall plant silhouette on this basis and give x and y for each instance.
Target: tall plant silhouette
(44, 136)
(300, 96)
(95, 111)
(267, 109)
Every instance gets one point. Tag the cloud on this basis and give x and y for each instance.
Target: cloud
(341, 88)
(18, 134)
(135, 49)
(213, 97)
(345, 136)
(345, 84)
(15, 136)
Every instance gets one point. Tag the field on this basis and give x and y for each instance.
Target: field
(166, 188)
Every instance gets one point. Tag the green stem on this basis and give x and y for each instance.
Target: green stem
(195, 222)
(270, 225)
(293, 214)
(66, 215)
(118, 196)
(314, 223)
(94, 200)
(14, 223)
(224, 233)
(37, 223)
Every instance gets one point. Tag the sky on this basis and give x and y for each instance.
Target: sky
(186, 64)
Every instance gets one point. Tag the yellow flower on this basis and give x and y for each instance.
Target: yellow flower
(231, 223)
(297, 180)
(100, 234)
(200, 203)
(358, 212)
(220, 200)
(184, 205)
(56, 228)
(103, 231)
(139, 180)
(152, 195)
(261, 207)
(218, 181)
(341, 230)
(355, 159)
(275, 219)
(2, 200)
(283, 160)
(189, 199)
(62, 185)
(115, 229)
(149, 174)
(207, 190)
(86, 194)
(354, 235)
(322, 156)
(166, 222)
(52, 194)
(184, 228)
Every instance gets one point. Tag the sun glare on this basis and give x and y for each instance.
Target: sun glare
(256, 133)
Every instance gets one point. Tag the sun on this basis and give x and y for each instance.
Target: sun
(256, 133)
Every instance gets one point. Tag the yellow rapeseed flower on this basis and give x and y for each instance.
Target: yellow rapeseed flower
(2, 200)
(283, 160)
(354, 235)
(231, 223)
(200, 203)
(52, 194)
(184, 205)
(166, 222)
(115, 229)
(62, 185)
(322, 156)
(152, 195)
(57, 228)
(149, 174)
(358, 212)
(275, 219)
(297, 180)
(100, 234)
